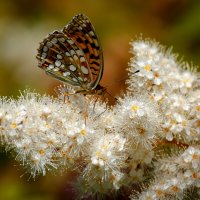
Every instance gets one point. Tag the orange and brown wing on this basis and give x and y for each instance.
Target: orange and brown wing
(60, 57)
(82, 32)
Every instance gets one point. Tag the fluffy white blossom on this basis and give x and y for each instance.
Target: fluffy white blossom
(105, 160)
(174, 176)
(145, 146)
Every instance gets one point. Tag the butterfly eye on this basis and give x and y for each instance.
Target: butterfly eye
(73, 55)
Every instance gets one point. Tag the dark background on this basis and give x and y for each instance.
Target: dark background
(24, 23)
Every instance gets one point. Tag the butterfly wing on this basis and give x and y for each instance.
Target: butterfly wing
(83, 34)
(61, 58)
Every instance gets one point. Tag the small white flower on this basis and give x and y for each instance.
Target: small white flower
(80, 132)
(192, 155)
(186, 81)
(136, 108)
(46, 110)
(169, 136)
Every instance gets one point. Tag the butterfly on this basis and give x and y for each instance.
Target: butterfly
(74, 56)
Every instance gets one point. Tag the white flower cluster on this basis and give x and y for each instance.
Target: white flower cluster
(175, 175)
(171, 86)
(118, 147)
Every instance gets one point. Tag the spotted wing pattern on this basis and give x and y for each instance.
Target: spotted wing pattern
(82, 32)
(73, 55)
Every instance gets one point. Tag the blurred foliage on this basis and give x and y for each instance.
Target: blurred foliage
(24, 23)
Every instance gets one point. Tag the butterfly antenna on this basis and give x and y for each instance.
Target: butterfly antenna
(122, 79)
(111, 96)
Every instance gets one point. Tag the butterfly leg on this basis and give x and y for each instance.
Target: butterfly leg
(95, 103)
(66, 95)
(85, 113)
(104, 100)
(106, 107)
